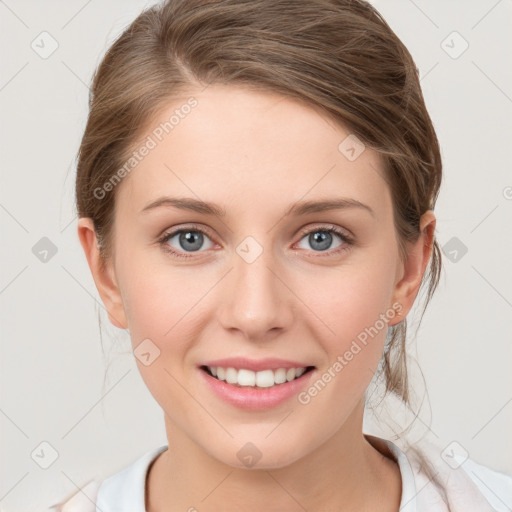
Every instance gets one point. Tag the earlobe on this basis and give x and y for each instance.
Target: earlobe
(102, 273)
(418, 257)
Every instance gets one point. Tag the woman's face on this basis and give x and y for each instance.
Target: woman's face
(255, 276)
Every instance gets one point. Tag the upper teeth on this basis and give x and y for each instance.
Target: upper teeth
(263, 379)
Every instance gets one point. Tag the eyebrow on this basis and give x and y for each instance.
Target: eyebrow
(298, 208)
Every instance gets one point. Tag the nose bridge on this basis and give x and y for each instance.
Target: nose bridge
(256, 300)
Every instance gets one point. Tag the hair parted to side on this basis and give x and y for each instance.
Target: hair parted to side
(338, 56)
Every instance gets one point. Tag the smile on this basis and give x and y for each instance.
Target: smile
(256, 379)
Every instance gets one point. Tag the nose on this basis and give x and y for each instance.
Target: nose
(257, 301)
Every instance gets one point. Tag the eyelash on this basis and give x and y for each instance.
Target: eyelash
(348, 241)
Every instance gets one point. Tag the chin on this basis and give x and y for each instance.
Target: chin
(259, 455)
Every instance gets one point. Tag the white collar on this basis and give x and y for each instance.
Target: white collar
(474, 487)
(125, 491)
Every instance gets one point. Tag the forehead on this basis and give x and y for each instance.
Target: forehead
(240, 146)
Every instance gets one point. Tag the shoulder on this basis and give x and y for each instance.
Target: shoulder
(449, 477)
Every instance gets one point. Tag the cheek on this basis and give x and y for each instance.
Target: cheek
(148, 306)
(354, 305)
(355, 308)
(156, 297)
(350, 301)
(163, 309)
(362, 316)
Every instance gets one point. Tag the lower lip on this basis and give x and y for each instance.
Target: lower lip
(256, 399)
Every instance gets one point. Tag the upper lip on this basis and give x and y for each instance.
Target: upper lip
(255, 365)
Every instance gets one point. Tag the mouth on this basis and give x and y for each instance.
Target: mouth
(263, 379)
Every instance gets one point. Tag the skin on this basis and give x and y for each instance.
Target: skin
(254, 154)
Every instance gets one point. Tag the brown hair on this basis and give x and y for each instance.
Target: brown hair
(338, 56)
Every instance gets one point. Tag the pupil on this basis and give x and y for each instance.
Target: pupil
(192, 240)
(321, 237)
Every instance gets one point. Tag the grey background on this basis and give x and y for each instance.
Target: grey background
(62, 385)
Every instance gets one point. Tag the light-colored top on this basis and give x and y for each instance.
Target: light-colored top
(462, 484)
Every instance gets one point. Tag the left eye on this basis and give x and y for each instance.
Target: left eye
(321, 239)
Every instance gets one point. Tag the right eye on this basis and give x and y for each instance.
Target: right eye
(183, 240)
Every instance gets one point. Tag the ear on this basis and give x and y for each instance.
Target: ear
(102, 273)
(413, 268)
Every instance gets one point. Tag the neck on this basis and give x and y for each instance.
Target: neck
(345, 473)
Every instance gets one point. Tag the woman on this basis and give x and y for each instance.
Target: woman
(255, 187)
